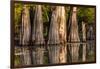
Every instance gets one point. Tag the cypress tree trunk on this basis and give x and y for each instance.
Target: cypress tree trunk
(37, 36)
(25, 34)
(25, 27)
(62, 34)
(84, 39)
(57, 35)
(54, 37)
(74, 36)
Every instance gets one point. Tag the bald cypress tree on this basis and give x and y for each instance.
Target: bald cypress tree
(37, 36)
(74, 36)
(57, 35)
(84, 39)
(24, 35)
(62, 34)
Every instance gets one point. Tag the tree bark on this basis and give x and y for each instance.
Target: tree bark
(37, 36)
(84, 39)
(25, 27)
(57, 35)
(74, 36)
(62, 34)
(25, 34)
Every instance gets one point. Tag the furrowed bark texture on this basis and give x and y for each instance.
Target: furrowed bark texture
(74, 36)
(57, 34)
(37, 36)
(25, 34)
(62, 34)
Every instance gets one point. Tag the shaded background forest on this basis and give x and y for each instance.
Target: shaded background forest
(84, 14)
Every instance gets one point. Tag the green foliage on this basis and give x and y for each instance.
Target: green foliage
(17, 13)
(46, 10)
(17, 61)
(86, 14)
